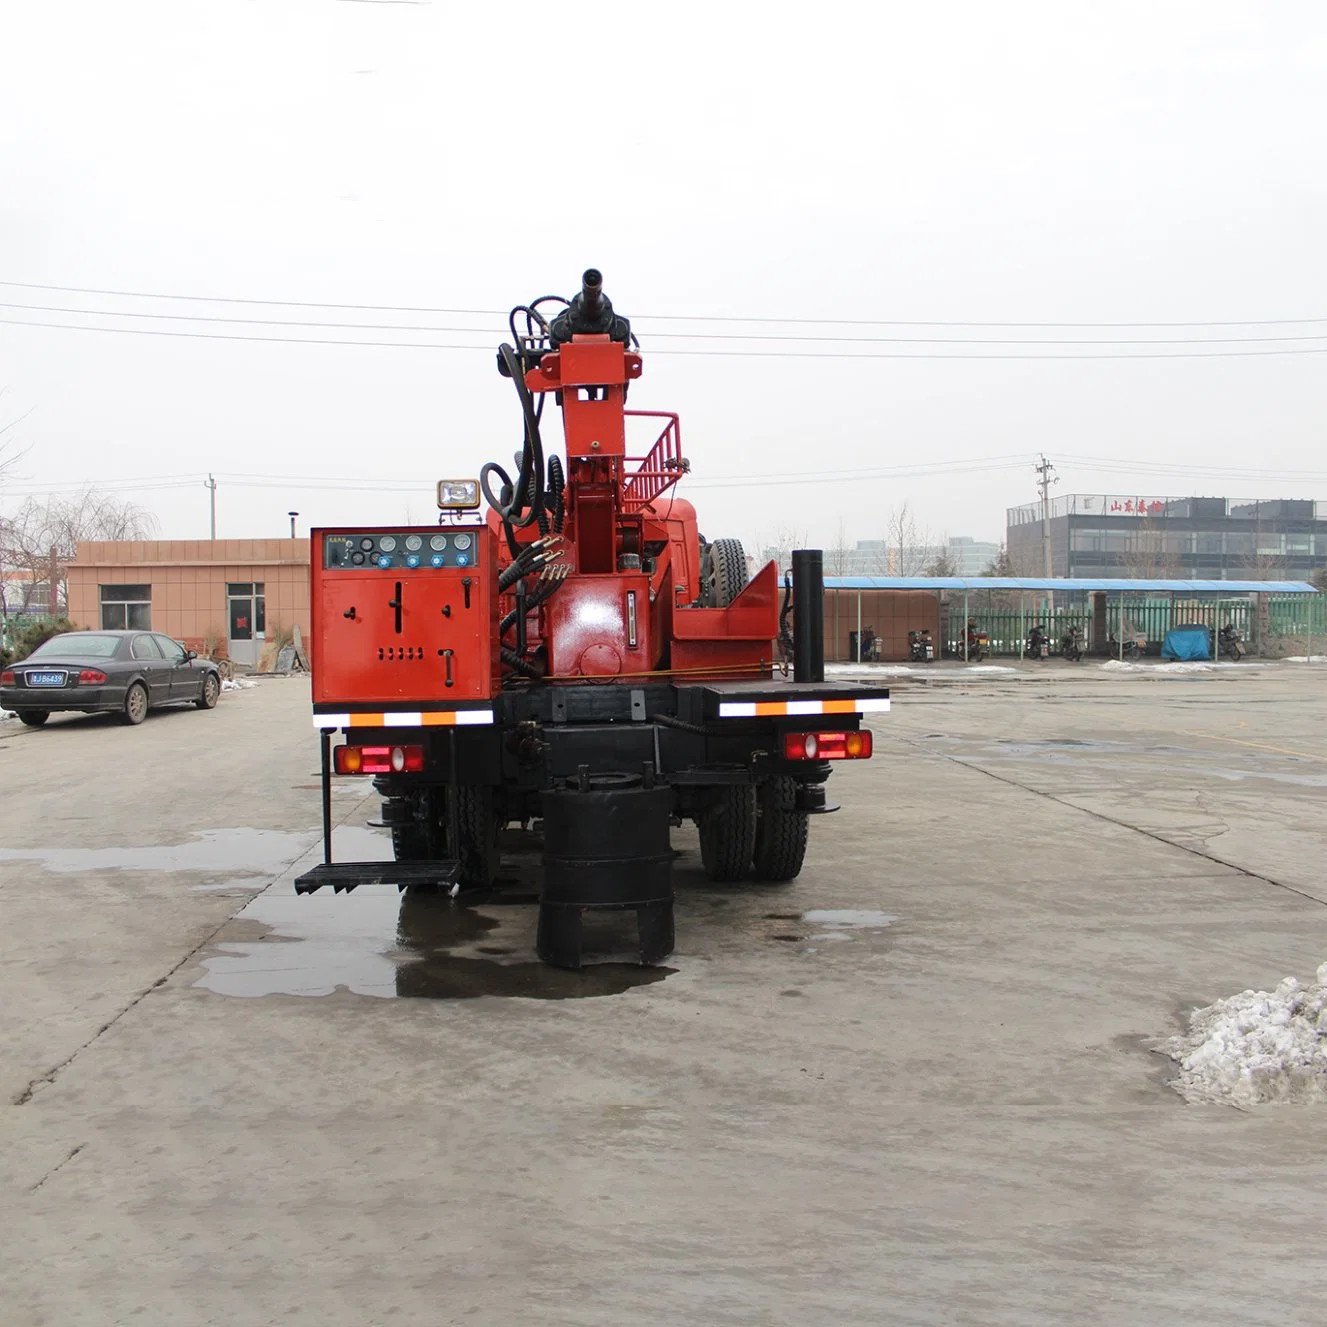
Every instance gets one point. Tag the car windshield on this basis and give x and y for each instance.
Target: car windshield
(77, 645)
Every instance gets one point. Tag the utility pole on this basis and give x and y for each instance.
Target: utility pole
(211, 483)
(292, 515)
(1045, 478)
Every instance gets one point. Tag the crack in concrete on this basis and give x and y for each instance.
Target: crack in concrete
(59, 1166)
(22, 1097)
(1155, 836)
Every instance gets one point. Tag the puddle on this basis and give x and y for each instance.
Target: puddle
(378, 942)
(259, 851)
(849, 919)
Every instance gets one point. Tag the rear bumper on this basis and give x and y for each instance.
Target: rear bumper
(61, 698)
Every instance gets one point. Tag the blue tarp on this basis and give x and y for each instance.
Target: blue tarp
(1191, 642)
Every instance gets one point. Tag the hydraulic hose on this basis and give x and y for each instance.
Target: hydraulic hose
(529, 484)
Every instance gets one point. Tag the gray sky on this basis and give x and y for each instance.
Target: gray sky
(951, 162)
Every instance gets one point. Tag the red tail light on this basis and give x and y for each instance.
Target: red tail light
(91, 677)
(7, 678)
(378, 759)
(828, 746)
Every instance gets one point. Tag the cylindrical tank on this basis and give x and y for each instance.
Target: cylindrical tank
(606, 847)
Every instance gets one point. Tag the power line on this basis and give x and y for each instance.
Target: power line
(747, 354)
(656, 317)
(688, 336)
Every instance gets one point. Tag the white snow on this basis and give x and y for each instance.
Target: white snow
(236, 684)
(865, 671)
(1306, 658)
(1256, 1047)
(1124, 666)
(7, 715)
(988, 668)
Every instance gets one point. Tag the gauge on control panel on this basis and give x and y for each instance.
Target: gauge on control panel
(387, 543)
(366, 544)
(438, 541)
(413, 542)
(357, 558)
(462, 541)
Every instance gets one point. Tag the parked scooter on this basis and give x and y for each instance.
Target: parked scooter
(1229, 642)
(1038, 643)
(978, 642)
(921, 648)
(1071, 644)
(1135, 646)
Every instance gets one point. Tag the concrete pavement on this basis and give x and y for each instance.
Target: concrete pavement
(937, 1105)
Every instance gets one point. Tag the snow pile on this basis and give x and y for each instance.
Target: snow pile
(236, 684)
(1257, 1047)
(1124, 666)
(1306, 658)
(7, 715)
(989, 668)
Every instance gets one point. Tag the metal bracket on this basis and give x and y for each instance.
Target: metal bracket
(559, 707)
(637, 705)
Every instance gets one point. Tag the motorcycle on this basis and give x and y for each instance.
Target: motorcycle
(1229, 642)
(977, 643)
(1133, 648)
(921, 648)
(1038, 643)
(1071, 644)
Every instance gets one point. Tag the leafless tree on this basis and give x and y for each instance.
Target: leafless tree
(942, 564)
(1264, 563)
(779, 546)
(41, 538)
(908, 543)
(838, 559)
(1150, 554)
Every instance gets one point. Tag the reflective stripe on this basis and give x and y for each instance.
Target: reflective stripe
(765, 709)
(404, 719)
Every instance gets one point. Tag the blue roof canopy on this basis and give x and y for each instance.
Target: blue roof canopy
(1061, 585)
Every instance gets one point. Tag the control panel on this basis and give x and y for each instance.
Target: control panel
(404, 617)
(403, 550)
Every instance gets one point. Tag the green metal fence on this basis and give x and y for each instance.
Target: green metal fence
(1291, 617)
(13, 624)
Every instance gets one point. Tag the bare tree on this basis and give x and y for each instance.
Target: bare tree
(942, 564)
(1264, 563)
(779, 547)
(40, 540)
(908, 544)
(1150, 554)
(838, 560)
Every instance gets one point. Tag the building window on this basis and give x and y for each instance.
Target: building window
(126, 606)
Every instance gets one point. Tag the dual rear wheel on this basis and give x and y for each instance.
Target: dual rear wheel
(753, 831)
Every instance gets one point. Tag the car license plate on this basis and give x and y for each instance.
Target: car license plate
(46, 679)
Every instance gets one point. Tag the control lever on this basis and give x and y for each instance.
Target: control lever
(396, 604)
(446, 610)
(350, 612)
(447, 659)
(465, 585)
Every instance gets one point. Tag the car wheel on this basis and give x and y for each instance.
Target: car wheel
(207, 700)
(135, 704)
(33, 718)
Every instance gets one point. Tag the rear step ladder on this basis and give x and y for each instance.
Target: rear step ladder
(342, 877)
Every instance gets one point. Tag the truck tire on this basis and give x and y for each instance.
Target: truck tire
(781, 829)
(728, 832)
(722, 573)
(478, 850)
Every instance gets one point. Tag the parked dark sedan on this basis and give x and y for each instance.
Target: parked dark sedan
(124, 672)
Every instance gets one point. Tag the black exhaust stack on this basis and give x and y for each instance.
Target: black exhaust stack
(808, 615)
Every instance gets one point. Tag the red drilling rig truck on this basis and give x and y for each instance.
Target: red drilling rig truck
(578, 656)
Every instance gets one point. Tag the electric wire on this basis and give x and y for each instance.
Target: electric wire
(659, 317)
(748, 354)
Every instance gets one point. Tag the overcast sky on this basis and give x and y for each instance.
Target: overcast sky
(951, 163)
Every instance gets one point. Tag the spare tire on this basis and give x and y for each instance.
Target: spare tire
(722, 572)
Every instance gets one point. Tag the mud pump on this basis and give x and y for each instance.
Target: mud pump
(578, 656)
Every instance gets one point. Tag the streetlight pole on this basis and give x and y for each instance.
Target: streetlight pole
(292, 515)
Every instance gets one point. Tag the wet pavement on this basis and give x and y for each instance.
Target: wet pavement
(913, 1086)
